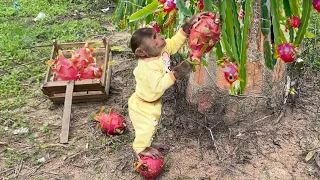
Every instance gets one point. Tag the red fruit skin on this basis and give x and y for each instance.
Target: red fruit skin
(294, 22)
(200, 5)
(65, 69)
(205, 32)
(151, 168)
(316, 5)
(156, 27)
(111, 122)
(169, 6)
(90, 72)
(286, 52)
(83, 56)
(231, 72)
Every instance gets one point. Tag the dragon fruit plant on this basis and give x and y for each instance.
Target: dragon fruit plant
(316, 5)
(204, 35)
(236, 18)
(148, 167)
(81, 65)
(112, 123)
(286, 52)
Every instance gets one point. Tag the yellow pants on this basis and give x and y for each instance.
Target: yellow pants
(144, 117)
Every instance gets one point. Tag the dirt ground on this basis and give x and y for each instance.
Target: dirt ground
(270, 150)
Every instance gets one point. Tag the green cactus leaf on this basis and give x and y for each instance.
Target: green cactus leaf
(307, 7)
(267, 55)
(275, 21)
(144, 12)
(119, 12)
(294, 4)
(207, 6)
(219, 52)
(265, 18)
(243, 55)
(183, 8)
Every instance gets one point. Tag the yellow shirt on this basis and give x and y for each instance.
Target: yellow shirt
(151, 77)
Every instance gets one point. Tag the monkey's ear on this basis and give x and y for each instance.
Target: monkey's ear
(140, 52)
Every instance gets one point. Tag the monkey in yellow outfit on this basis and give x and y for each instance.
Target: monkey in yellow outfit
(153, 77)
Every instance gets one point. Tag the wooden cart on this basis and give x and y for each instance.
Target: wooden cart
(77, 91)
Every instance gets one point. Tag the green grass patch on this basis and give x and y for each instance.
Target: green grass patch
(22, 63)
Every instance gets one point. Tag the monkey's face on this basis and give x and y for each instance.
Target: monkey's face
(154, 45)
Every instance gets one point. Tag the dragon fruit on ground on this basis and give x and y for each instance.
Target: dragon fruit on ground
(111, 123)
(286, 52)
(316, 5)
(204, 35)
(148, 167)
(231, 71)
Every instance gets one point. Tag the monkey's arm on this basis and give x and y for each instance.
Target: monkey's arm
(175, 43)
(159, 82)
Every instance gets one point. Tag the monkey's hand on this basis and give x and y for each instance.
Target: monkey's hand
(182, 69)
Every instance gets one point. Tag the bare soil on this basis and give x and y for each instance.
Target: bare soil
(202, 147)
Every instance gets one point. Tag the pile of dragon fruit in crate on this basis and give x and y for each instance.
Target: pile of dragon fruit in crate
(81, 65)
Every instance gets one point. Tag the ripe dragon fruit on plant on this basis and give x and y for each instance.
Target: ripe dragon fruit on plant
(169, 5)
(200, 5)
(148, 167)
(204, 35)
(286, 52)
(231, 71)
(294, 22)
(111, 123)
(316, 5)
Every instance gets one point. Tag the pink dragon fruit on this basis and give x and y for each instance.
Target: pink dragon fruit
(111, 123)
(90, 72)
(286, 52)
(64, 68)
(83, 56)
(241, 14)
(148, 167)
(316, 5)
(169, 5)
(231, 71)
(294, 22)
(200, 5)
(204, 35)
(156, 27)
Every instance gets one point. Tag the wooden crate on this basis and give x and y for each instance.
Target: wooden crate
(83, 90)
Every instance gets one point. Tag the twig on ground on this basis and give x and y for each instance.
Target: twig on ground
(261, 119)
(4, 171)
(279, 117)
(19, 169)
(33, 171)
